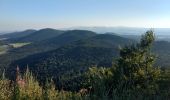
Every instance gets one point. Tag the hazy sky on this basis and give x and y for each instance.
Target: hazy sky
(25, 14)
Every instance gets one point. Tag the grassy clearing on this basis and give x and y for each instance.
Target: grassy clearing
(17, 45)
(3, 49)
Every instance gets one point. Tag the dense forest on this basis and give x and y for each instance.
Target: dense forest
(51, 64)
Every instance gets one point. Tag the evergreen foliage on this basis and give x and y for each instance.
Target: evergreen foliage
(135, 65)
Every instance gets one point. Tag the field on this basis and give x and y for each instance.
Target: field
(17, 45)
(4, 48)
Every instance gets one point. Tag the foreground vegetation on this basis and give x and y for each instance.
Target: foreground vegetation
(134, 76)
(97, 85)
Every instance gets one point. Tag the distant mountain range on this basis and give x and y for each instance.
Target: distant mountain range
(125, 30)
(14, 35)
(132, 32)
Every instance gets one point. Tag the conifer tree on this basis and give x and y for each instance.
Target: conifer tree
(135, 65)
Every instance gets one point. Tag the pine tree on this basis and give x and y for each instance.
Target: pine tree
(135, 66)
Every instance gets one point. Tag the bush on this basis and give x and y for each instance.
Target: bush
(99, 81)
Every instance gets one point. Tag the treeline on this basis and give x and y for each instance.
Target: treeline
(133, 76)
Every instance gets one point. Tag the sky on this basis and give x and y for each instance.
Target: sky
(37, 14)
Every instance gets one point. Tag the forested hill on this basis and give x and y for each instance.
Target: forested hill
(71, 51)
(43, 45)
(75, 57)
(162, 51)
(67, 53)
(15, 35)
(36, 36)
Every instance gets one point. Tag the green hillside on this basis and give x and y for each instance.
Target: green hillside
(43, 46)
(15, 35)
(40, 35)
(73, 58)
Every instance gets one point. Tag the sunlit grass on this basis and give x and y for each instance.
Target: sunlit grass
(17, 45)
(5, 48)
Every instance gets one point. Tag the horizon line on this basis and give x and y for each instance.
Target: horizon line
(76, 27)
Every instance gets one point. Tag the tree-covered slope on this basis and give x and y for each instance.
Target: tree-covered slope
(102, 41)
(44, 46)
(15, 35)
(53, 42)
(162, 50)
(40, 35)
(74, 58)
